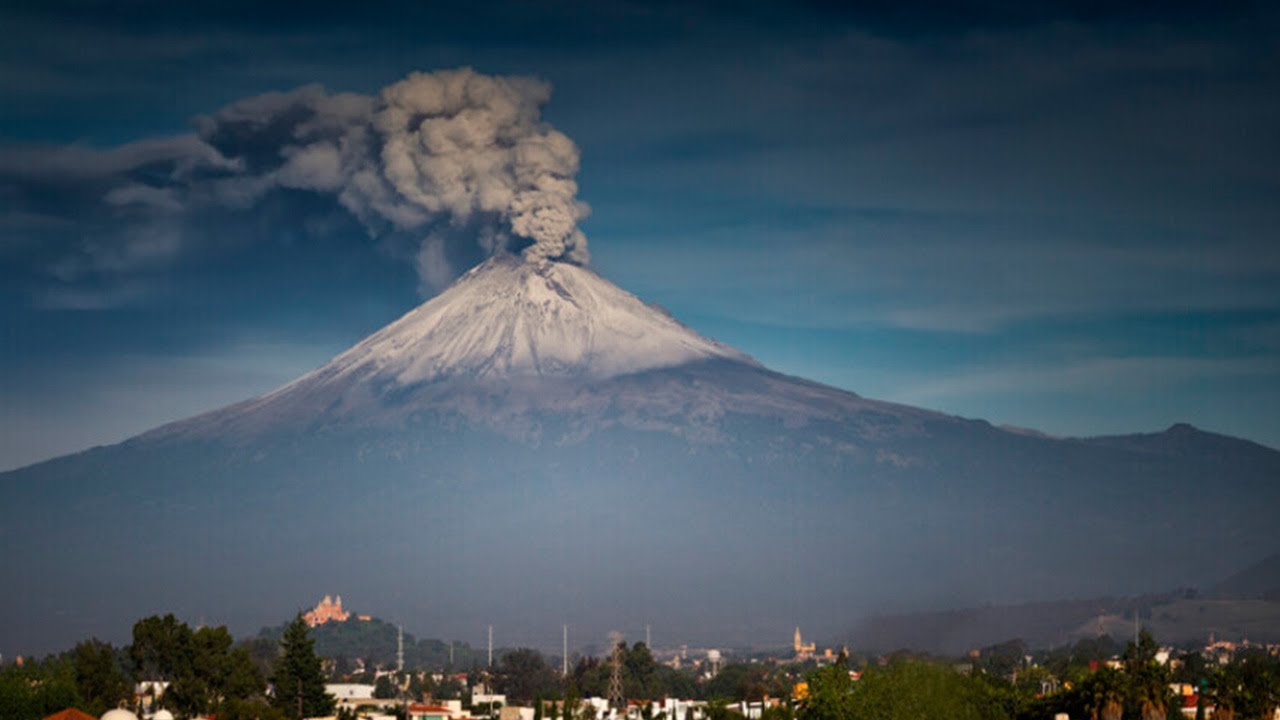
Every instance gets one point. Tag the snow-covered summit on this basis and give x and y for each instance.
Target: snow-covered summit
(513, 318)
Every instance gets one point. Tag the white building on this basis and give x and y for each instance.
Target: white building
(350, 691)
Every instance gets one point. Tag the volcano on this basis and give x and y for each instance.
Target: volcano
(536, 446)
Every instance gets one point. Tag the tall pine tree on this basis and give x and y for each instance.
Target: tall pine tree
(298, 677)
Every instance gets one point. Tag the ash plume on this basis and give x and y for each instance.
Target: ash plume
(447, 148)
(451, 162)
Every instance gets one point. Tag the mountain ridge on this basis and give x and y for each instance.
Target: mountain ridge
(520, 492)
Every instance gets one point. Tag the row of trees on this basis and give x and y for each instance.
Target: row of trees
(905, 689)
(206, 671)
(1246, 688)
(999, 685)
(87, 677)
(524, 675)
(209, 674)
(1082, 686)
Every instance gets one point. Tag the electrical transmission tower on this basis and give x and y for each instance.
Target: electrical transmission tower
(615, 672)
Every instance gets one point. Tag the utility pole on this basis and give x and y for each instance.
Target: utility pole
(648, 642)
(490, 646)
(400, 650)
(564, 657)
(400, 689)
(615, 672)
(450, 654)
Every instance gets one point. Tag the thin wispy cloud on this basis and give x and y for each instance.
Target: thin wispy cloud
(1099, 375)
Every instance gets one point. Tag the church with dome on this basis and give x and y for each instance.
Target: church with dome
(329, 610)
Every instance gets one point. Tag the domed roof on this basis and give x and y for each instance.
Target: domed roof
(162, 714)
(118, 714)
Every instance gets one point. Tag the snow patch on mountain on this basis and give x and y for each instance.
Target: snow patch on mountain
(509, 318)
(515, 343)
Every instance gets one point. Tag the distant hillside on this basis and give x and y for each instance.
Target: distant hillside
(1260, 581)
(1244, 605)
(955, 632)
(375, 641)
(1185, 620)
(1193, 620)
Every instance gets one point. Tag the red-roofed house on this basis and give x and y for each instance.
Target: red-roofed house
(71, 714)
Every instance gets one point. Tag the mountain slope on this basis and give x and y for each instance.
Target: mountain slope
(511, 339)
(536, 446)
(1259, 581)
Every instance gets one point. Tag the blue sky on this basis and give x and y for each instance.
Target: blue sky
(1061, 218)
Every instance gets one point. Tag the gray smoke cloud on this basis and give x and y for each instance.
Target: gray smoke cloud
(441, 159)
(453, 146)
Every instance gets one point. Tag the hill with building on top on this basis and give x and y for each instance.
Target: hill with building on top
(341, 635)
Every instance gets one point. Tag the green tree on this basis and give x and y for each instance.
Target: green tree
(739, 681)
(1147, 681)
(1102, 695)
(918, 690)
(1246, 688)
(383, 688)
(639, 672)
(159, 646)
(522, 674)
(243, 680)
(1004, 660)
(342, 667)
(100, 681)
(298, 676)
(569, 708)
(252, 709)
(38, 689)
(207, 673)
(262, 652)
(830, 695)
(718, 709)
(778, 712)
(448, 689)
(198, 676)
